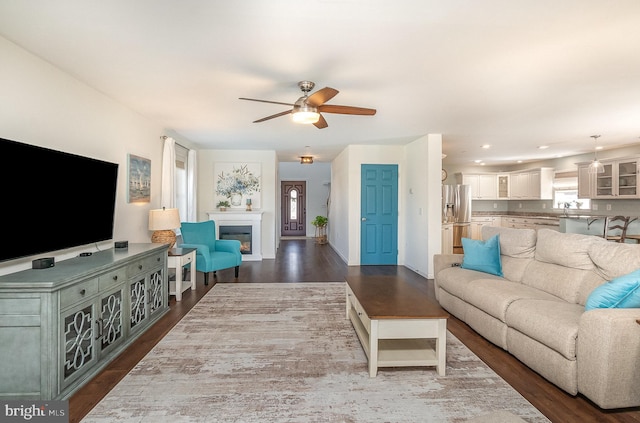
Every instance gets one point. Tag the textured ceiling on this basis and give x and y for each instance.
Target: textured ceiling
(511, 74)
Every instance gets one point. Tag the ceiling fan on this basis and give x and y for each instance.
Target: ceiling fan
(307, 108)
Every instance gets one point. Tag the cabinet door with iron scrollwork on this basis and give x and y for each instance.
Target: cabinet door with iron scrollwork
(78, 348)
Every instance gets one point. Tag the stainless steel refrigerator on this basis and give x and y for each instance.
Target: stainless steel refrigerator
(456, 209)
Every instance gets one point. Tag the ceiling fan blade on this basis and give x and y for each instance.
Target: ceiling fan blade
(321, 123)
(272, 116)
(266, 101)
(346, 110)
(322, 96)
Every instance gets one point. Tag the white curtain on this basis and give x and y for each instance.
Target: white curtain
(168, 197)
(192, 191)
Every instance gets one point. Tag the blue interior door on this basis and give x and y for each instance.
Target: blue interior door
(379, 214)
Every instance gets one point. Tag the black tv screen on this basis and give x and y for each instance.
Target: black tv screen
(53, 200)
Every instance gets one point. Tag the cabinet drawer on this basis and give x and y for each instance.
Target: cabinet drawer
(366, 322)
(144, 265)
(112, 278)
(78, 292)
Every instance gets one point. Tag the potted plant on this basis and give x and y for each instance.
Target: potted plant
(222, 205)
(320, 222)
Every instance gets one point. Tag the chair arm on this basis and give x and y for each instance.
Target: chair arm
(229, 246)
(203, 256)
(608, 351)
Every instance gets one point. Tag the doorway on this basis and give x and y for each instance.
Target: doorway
(293, 196)
(379, 215)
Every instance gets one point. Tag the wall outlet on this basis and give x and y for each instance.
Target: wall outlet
(608, 207)
(495, 205)
(519, 205)
(594, 207)
(544, 205)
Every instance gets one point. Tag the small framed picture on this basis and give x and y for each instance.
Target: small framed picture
(139, 179)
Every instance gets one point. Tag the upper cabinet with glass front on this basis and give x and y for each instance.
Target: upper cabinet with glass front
(619, 180)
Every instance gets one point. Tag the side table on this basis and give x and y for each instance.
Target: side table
(177, 259)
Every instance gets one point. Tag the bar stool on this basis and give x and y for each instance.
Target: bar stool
(634, 237)
(615, 228)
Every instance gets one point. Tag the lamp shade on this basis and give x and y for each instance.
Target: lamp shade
(163, 219)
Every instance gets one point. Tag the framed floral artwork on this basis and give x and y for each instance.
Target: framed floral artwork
(238, 183)
(139, 179)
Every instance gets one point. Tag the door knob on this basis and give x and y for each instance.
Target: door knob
(364, 219)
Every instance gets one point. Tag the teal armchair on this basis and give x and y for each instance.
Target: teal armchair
(212, 254)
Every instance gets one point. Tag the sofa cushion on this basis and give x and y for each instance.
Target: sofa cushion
(622, 292)
(563, 282)
(483, 256)
(456, 280)
(565, 249)
(613, 259)
(517, 243)
(552, 323)
(495, 296)
(514, 268)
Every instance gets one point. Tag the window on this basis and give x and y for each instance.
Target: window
(565, 192)
(181, 181)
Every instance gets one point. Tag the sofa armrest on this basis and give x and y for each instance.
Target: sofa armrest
(442, 261)
(608, 352)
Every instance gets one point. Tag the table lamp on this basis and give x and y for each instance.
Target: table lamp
(163, 221)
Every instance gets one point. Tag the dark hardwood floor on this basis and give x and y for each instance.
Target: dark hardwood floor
(305, 261)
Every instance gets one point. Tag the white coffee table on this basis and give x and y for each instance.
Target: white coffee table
(396, 323)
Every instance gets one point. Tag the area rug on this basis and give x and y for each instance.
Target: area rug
(270, 352)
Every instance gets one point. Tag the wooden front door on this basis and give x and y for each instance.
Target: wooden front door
(294, 214)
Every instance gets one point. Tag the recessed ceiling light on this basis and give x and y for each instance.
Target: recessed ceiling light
(482, 164)
(519, 161)
(543, 147)
(599, 147)
(477, 161)
(486, 146)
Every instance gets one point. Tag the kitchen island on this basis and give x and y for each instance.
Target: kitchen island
(592, 224)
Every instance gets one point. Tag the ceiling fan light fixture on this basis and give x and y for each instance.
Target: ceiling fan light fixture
(306, 117)
(303, 113)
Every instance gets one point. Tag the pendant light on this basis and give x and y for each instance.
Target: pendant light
(595, 166)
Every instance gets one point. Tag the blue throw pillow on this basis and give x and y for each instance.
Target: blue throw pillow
(621, 292)
(483, 256)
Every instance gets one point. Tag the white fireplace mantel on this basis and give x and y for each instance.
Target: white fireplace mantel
(242, 218)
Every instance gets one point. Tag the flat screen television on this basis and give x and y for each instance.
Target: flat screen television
(53, 200)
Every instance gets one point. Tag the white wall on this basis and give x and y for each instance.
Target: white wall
(339, 204)
(41, 105)
(317, 177)
(423, 199)
(269, 197)
(419, 200)
(347, 188)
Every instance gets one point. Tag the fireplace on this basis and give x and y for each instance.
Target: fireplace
(241, 233)
(233, 219)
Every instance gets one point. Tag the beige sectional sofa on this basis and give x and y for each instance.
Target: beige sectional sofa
(537, 313)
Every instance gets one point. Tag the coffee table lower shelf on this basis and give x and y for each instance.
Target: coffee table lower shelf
(399, 342)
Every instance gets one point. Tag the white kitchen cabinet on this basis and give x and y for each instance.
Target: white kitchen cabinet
(478, 222)
(447, 238)
(484, 186)
(586, 181)
(619, 180)
(523, 222)
(504, 187)
(534, 184)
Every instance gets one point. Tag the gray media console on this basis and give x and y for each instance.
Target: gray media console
(60, 326)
